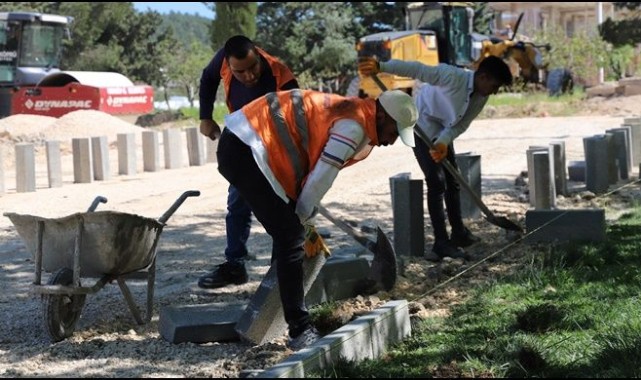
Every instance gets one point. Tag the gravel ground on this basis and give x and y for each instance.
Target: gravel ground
(108, 343)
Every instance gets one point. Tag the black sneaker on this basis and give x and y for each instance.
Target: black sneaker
(464, 239)
(225, 274)
(306, 338)
(447, 249)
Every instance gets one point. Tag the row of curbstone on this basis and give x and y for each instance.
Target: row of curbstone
(91, 157)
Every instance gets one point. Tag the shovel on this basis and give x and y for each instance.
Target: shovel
(383, 267)
(499, 221)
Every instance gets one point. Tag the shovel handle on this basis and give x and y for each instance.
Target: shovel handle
(360, 238)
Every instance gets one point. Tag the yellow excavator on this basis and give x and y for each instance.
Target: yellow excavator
(442, 32)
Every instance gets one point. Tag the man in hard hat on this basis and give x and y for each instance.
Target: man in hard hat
(450, 100)
(283, 151)
(246, 72)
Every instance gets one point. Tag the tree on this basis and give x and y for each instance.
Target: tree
(232, 19)
(185, 67)
(320, 45)
(483, 17)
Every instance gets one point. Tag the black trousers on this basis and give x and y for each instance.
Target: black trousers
(236, 163)
(441, 186)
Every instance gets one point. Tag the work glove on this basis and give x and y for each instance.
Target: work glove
(314, 243)
(439, 152)
(368, 66)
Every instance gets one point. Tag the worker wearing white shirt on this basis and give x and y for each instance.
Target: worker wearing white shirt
(450, 100)
(284, 150)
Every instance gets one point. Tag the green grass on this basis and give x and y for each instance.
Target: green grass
(571, 311)
(532, 104)
(220, 110)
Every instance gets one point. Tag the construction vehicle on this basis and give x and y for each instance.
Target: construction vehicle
(442, 32)
(31, 81)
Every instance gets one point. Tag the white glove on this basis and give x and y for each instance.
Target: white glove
(305, 212)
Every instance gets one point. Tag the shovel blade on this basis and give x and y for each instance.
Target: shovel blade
(383, 268)
(505, 223)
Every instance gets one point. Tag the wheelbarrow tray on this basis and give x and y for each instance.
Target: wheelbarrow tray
(111, 243)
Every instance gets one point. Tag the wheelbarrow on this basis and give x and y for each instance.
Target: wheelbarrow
(106, 245)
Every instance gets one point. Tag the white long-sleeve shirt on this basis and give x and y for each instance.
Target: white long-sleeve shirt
(347, 138)
(446, 104)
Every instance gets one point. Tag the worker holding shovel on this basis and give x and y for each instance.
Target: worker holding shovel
(450, 100)
(283, 152)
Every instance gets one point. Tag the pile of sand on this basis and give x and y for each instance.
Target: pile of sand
(78, 124)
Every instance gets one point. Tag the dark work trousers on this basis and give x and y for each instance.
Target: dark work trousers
(236, 163)
(441, 186)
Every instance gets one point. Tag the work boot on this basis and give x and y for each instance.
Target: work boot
(446, 249)
(464, 239)
(225, 274)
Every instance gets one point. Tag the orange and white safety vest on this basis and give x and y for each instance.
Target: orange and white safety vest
(294, 129)
(281, 73)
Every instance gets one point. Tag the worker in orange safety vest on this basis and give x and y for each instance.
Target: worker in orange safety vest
(284, 150)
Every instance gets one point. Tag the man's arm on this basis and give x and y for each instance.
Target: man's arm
(344, 139)
(440, 75)
(209, 83)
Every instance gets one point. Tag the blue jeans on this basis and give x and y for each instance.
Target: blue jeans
(238, 222)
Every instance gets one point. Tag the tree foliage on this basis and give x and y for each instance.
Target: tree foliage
(582, 54)
(483, 17)
(232, 19)
(320, 45)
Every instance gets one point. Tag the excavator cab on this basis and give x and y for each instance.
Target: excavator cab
(453, 24)
(30, 49)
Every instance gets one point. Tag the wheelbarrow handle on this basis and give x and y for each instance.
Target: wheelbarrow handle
(99, 199)
(165, 217)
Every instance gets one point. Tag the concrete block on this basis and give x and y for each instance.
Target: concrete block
(100, 154)
(195, 147)
(150, 151)
(341, 277)
(127, 154)
(212, 148)
(576, 171)
(613, 165)
(54, 163)
(621, 141)
(409, 225)
(172, 144)
(557, 158)
(470, 167)
(200, 323)
(25, 168)
(586, 225)
(635, 139)
(263, 320)
(530, 169)
(596, 163)
(543, 179)
(367, 337)
(82, 165)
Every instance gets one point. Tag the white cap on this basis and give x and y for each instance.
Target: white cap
(400, 106)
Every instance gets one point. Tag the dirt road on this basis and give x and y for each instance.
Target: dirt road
(108, 343)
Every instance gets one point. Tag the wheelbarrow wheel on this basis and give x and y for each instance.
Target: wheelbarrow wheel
(61, 311)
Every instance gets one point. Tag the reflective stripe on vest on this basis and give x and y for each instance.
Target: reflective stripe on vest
(298, 159)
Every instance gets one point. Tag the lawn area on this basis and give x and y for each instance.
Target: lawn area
(570, 311)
